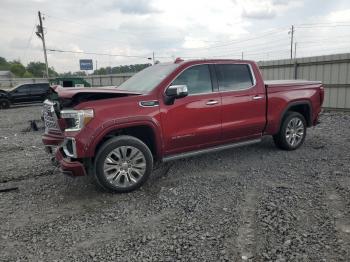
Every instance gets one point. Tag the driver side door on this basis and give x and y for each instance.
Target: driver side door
(192, 122)
(21, 94)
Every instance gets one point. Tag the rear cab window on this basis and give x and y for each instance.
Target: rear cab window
(234, 77)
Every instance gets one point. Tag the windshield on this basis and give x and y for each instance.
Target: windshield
(13, 88)
(147, 79)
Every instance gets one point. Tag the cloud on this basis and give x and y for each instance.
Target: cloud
(259, 13)
(339, 16)
(140, 7)
(184, 28)
(265, 9)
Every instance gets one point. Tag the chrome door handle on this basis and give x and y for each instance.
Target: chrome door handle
(212, 102)
(257, 97)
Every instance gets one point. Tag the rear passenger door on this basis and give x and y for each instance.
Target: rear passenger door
(243, 102)
(39, 92)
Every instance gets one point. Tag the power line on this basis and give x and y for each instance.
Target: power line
(324, 23)
(93, 53)
(79, 35)
(251, 54)
(72, 21)
(223, 43)
(232, 42)
(323, 26)
(29, 41)
(144, 33)
(239, 47)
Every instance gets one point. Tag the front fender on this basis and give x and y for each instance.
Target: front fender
(97, 135)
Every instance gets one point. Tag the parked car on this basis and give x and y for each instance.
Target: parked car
(171, 111)
(24, 93)
(70, 82)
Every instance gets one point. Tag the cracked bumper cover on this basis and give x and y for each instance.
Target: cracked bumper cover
(68, 167)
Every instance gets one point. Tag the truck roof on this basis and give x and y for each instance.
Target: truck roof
(206, 60)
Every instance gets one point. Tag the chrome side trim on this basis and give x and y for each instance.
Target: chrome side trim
(149, 103)
(209, 150)
(257, 97)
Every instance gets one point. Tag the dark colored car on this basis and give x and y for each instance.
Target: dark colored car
(171, 111)
(24, 93)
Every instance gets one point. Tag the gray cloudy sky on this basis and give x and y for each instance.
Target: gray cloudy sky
(186, 28)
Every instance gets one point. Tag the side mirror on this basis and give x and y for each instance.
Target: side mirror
(174, 92)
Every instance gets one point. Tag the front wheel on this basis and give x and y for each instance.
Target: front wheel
(123, 164)
(292, 132)
(4, 103)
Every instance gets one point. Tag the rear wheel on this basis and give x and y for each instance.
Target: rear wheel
(292, 132)
(123, 164)
(4, 103)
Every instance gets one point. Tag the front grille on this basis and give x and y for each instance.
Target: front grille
(50, 118)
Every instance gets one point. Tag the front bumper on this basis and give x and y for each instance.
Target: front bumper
(68, 167)
(52, 139)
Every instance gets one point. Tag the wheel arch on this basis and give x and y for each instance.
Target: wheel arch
(147, 131)
(303, 107)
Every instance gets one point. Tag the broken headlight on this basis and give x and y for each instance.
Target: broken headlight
(77, 119)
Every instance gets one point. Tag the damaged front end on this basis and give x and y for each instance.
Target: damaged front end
(58, 110)
(53, 135)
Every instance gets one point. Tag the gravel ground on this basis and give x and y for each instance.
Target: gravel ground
(256, 203)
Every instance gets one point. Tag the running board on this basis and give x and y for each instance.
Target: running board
(209, 150)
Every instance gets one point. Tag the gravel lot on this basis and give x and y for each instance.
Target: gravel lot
(248, 204)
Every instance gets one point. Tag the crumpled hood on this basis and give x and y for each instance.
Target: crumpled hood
(64, 92)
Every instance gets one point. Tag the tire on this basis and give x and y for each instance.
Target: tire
(4, 103)
(292, 132)
(122, 164)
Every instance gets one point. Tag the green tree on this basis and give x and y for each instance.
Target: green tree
(121, 69)
(4, 65)
(37, 69)
(27, 74)
(80, 73)
(17, 69)
(52, 72)
(70, 74)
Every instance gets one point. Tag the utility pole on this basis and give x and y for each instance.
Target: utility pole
(295, 50)
(291, 32)
(40, 33)
(242, 55)
(153, 58)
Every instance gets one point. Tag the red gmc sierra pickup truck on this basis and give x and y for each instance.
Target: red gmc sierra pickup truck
(170, 111)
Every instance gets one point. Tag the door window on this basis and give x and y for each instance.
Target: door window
(196, 78)
(23, 89)
(233, 77)
(42, 88)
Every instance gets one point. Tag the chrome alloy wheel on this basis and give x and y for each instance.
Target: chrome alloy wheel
(294, 132)
(124, 166)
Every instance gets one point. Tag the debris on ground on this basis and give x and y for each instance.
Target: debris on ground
(256, 203)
